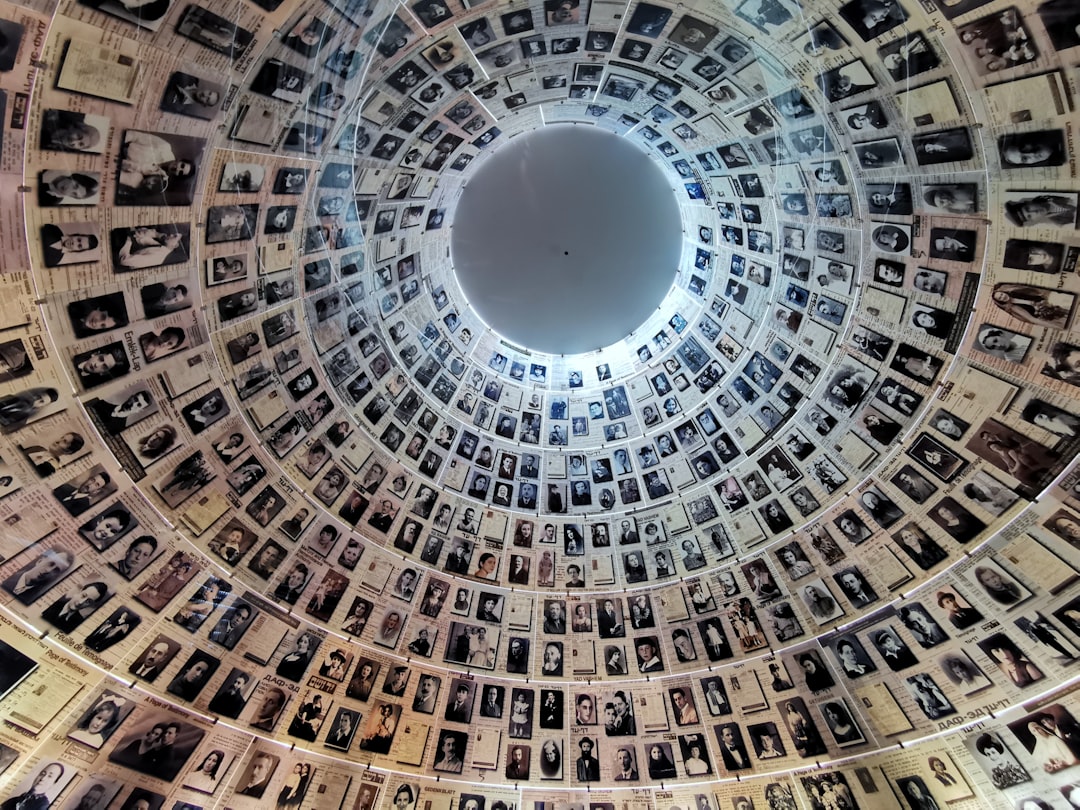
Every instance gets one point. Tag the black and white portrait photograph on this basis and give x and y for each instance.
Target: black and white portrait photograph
(934, 456)
(870, 19)
(951, 198)
(230, 223)
(929, 697)
(41, 787)
(145, 15)
(193, 96)
(851, 657)
(149, 246)
(998, 762)
(157, 745)
(962, 672)
(70, 243)
(993, 580)
(1025, 459)
(945, 146)
(60, 187)
(157, 168)
(1037, 149)
(846, 81)
(1030, 209)
(842, 725)
(908, 56)
(1004, 344)
(66, 131)
(997, 42)
(1038, 306)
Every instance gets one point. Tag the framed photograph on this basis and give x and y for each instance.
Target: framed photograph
(936, 323)
(850, 79)
(117, 626)
(1032, 149)
(993, 580)
(732, 748)
(868, 21)
(990, 494)
(179, 738)
(192, 96)
(290, 180)
(257, 773)
(648, 20)
(70, 243)
(946, 146)
(1038, 306)
(193, 675)
(952, 198)
(908, 56)
(157, 168)
(841, 724)
(1013, 663)
(1004, 344)
(932, 455)
(982, 42)
(341, 731)
(12, 33)
(230, 223)
(149, 246)
(819, 600)
(226, 269)
(58, 187)
(1026, 460)
(881, 154)
(165, 583)
(80, 133)
(310, 715)
(997, 761)
(451, 751)
(1028, 209)
(214, 32)
(42, 785)
(963, 672)
(210, 771)
(95, 791)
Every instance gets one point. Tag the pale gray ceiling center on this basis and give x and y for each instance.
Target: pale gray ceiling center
(566, 239)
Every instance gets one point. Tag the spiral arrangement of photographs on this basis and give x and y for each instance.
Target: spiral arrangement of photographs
(286, 520)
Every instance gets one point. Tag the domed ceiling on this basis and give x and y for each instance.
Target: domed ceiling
(507, 406)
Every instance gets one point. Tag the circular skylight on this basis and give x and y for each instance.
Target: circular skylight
(566, 239)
